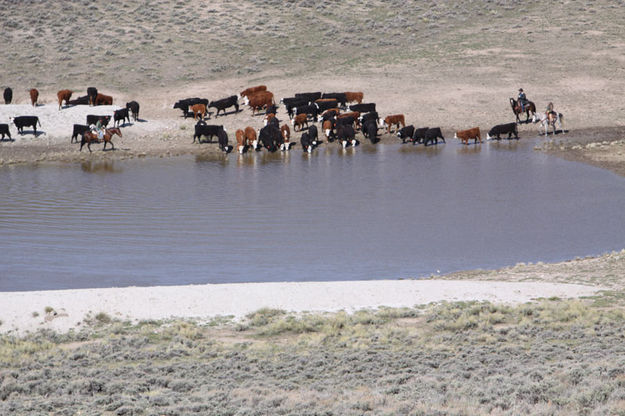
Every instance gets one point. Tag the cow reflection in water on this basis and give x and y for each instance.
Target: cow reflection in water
(100, 166)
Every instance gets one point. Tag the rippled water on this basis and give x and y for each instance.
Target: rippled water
(388, 211)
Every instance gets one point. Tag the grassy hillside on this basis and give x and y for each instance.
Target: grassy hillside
(128, 45)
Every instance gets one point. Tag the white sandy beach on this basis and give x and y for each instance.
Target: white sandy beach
(206, 301)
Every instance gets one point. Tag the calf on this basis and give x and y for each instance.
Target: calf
(208, 130)
(224, 103)
(330, 114)
(241, 141)
(354, 96)
(250, 136)
(92, 93)
(406, 133)
(222, 139)
(34, 96)
(133, 107)
(184, 104)
(419, 135)
(198, 110)
(314, 135)
(79, 130)
(363, 108)
(64, 95)
(92, 119)
(509, 128)
(285, 131)
(432, 135)
(306, 142)
(4, 130)
(25, 121)
(328, 130)
(466, 135)
(102, 99)
(397, 119)
(268, 118)
(120, 115)
(346, 134)
(8, 95)
(299, 121)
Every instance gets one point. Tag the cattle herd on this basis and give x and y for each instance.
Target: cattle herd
(341, 117)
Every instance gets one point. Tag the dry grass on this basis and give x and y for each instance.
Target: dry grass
(556, 357)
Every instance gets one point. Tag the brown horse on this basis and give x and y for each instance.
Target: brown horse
(89, 137)
(516, 109)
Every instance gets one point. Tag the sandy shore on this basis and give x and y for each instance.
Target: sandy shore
(71, 307)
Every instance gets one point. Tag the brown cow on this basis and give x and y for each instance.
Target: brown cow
(250, 136)
(34, 95)
(327, 127)
(198, 109)
(260, 100)
(64, 95)
(396, 119)
(251, 90)
(299, 120)
(241, 140)
(102, 99)
(286, 132)
(466, 135)
(354, 96)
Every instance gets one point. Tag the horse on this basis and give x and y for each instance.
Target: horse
(548, 119)
(89, 137)
(516, 109)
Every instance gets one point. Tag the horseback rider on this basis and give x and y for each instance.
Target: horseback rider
(549, 109)
(522, 99)
(97, 130)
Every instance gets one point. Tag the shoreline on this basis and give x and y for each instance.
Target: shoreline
(63, 310)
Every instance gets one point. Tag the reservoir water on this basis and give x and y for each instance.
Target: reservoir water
(383, 212)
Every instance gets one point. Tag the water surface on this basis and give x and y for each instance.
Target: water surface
(383, 212)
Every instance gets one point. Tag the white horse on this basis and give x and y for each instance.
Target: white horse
(548, 119)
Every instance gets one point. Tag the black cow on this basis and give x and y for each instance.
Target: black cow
(370, 130)
(24, 121)
(432, 135)
(120, 115)
(290, 104)
(92, 119)
(363, 108)
(224, 103)
(272, 109)
(185, 103)
(274, 122)
(84, 100)
(419, 135)
(4, 130)
(79, 130)
(92, 93)
(310, 96)
(8, 96)
(346, 134)
(306, 142)
(310, 109)
(222, 139)
(133, 107)
(346, 120)
(338, 96)
(510, 128)
(326, 105)
(369, 116)
(406, 133)
(270, 137)
(313, 134)
(328, 115)
(208, 130)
